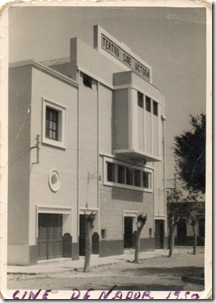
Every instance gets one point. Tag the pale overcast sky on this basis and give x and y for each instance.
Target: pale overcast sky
(171, 40)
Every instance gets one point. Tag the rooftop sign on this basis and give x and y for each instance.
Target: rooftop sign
(110, 46)
(123, 56)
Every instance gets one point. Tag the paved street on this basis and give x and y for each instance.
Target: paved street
(155, 272)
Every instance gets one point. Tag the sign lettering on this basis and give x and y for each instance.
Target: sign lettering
(117, 52)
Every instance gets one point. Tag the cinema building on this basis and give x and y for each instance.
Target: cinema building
(86, 133)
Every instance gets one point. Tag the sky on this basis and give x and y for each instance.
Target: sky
(171, 40)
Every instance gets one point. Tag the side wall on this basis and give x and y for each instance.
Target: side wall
(19, 156)
(64, 160)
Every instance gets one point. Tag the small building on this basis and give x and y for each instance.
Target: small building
(85, 134)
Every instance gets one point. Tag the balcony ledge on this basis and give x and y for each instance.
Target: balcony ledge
(137, 155)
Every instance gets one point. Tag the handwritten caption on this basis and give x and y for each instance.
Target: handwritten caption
(112, 294)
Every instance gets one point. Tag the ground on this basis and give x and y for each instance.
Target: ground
(158, 273)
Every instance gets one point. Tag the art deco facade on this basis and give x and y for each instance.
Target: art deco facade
(86, 133)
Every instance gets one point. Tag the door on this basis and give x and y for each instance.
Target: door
(201, 238)
(82, 235)
(182, 232)
(128, 232)
(159, 234)
(49, 236)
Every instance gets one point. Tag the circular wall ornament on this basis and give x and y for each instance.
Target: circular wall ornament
(54, 180)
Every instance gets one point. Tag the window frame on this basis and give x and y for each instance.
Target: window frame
(103, 234)
(148, 105)
(61, 141)
(155, 108)
(52, 118)
(140, 99)
(113, 174)
(134, 168)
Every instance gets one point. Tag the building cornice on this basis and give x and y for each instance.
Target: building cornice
(45, 69)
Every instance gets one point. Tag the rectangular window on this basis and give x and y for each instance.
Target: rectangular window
(129, 176)
(87, 81)
(52, 117)
(148, 104)
(121, 174)
(54, 124)
(110, 172)
(155, 108)
(126, 175)
(140, 99)
(137, 177)
(103, 234)
(146, 180)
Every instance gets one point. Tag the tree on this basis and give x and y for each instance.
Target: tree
(190, 154)
(193, 220)
(183, 210)
(89, 227)
(173, 219)
(141, 220)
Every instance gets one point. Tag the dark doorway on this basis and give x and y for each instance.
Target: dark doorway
(159, 234)
(82, 235)
(182, 232)
(201, 238)
(202, 227)
(49, 236)
(128, 232)
(95, 243)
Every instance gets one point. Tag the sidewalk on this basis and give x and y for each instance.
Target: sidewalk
(62, 265)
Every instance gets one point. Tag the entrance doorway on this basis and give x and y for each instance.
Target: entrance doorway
(49, 236)
(128, 232)
(159, 234)
(82, 236)
(182, 232)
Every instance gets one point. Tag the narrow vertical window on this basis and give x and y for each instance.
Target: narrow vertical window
(121, 174)
(148, 104)
(103, 234)
(155, 108)
(140, 99)
(137, 177)
(110, 172)
(129, 176)
(52, 117)
(146, 180)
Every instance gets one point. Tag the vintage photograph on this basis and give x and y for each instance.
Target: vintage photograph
(107, 135)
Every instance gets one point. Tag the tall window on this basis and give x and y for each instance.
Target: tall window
(155, 108)
(146, 180)
(121, 174)
(54, 124)
(129, 176)
(140, 99)
(111, 172)
(52, 120)
(148, 104)
(137, 177)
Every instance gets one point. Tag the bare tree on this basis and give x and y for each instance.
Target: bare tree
(183, 210)
(173, 219)
(89, 227)
(193, 221)
(141, 220)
